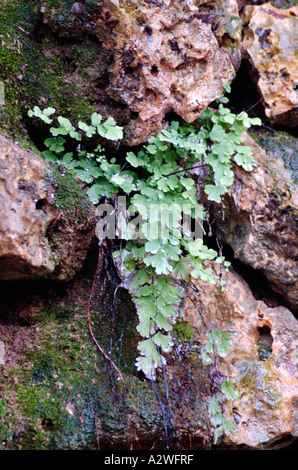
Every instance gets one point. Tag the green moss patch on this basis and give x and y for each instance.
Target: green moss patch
(58, 393)
(183, 332)
(38, 68)
(60, 389)
(69, 198)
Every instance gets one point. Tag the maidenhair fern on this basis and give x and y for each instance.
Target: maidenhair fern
(161, 219)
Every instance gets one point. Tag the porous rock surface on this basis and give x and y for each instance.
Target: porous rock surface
(270, 43)
(262, 360)
(37, 238)
(260, 222)
(169, 56)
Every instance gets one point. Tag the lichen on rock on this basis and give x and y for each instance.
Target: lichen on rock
(167, 58)
(260, 222)
(280, 145)
(46, 221)
(270, 43)
(264, 414)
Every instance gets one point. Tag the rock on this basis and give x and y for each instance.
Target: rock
(168, 56)
(40, 67)
(135, 61)
(74, 401)
(262, 360)
(260, 222)
(42, 235)
(279, 144)
(270, 43)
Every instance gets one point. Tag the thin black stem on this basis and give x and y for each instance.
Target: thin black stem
(162, 411)
(185, 169)
(208, 323)
(169, 416)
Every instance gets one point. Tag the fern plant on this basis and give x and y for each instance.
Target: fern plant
(162, 183)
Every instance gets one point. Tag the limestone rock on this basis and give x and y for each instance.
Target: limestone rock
(270, 43)
(262, 360)
(260, 222)
(134, 60)
(168, 56)
(280, 145)
(39, 237)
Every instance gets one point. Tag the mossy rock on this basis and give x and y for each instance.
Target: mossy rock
(280, 144)
(282, 4)
(59, 393)
(70, 198)
(38, 67)
(183, 332)
(61, 390)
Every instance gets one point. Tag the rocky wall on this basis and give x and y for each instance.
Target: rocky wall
(140, 62)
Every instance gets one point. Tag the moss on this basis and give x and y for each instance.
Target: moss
(14, 43)
(75, 212)
(53, 396)
(183, 332)
(54, 314)
(69, 197)
(38, 70)
(68, 25)
(61, 393)
(264, 351)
